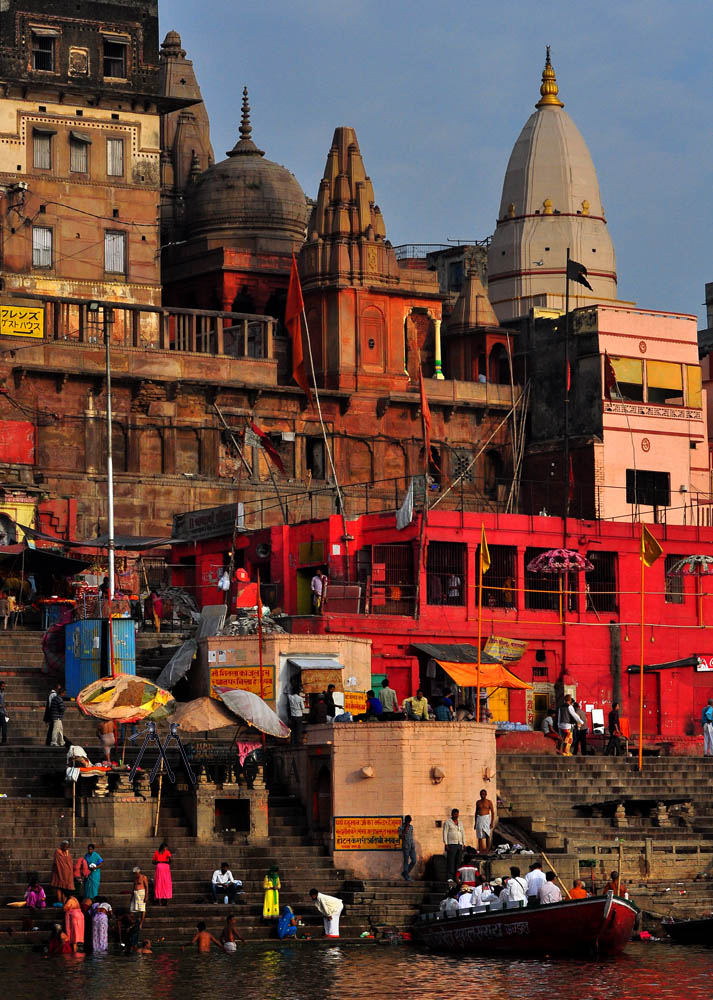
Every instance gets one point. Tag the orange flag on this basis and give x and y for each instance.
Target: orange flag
(426, 418)
(293, 321)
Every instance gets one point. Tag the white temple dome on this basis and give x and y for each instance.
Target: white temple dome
(550, 202)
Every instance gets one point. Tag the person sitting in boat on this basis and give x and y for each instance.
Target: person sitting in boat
(465, 899)
(534, 878)
(467, 874)
(481, 892)
(449, 905)
(549, 892)
(516, 888)
(494, 898)
(615, 885)
(578, 891)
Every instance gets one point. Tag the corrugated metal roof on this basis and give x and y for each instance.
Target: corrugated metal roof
(456, 652)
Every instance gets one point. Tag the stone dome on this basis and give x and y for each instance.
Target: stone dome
(247, 200)
(550, 202)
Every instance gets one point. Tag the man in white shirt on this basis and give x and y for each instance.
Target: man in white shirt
(453, 843)
(298, 710)
(319, 592)
(449, 905)
(223, 884)
(566, 719)
(534, 878)
(549, 892)
(516, 888)
(330, 907)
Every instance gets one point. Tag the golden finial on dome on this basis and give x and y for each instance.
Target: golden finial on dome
(549, 88)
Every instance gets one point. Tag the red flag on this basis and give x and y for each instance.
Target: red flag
(294, 308)
(609, 376)
(426, 418)
(268, 446)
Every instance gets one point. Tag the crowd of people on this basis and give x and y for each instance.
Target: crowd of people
(567, 727)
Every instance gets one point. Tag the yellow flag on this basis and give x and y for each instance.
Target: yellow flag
(650, 548)
(484, 552)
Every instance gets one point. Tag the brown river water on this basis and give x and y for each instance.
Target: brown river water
(645, 971)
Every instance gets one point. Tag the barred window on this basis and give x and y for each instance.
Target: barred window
(42, 149)
(542, 590)
(115, 59)
(600, 583)
(43, 51)
(459, 461)
(78, 153)
(115, 157)
(674, 592)
(446, 573)
(115, 252)
(41, 246)
(499, 583)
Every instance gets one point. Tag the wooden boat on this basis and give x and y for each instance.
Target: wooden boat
(697, 931)
(597, 925)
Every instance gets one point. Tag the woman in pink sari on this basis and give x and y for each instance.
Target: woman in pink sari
(74, 922)
(163, 885)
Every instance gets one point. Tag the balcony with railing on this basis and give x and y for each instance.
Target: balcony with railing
(68, 334)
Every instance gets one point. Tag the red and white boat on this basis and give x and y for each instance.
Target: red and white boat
(600, 925)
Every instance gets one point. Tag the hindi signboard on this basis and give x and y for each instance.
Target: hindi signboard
(367, 833)
(22, 321)
(355, 702)
(505, 650)
(245, 678)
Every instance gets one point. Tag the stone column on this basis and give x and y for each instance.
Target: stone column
(437, 363)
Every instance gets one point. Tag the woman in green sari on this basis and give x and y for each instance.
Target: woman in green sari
(91, 882)
(271, 885)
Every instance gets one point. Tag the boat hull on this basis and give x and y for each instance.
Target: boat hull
(691, 931)
(599, 925)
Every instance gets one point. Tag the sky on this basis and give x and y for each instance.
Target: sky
(439, 93)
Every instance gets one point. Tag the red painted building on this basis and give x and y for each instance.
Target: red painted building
(584, 637)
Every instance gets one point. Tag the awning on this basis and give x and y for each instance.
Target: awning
(315, 662)
(318, 672)
(454, 652)
(688, 661)
(492, 675)
(40, 561)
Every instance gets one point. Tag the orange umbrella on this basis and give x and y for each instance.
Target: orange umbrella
(492, 675)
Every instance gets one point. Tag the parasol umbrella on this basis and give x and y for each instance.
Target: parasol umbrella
(698, 566)
(253, 710)
(561, 562)
(202, 715)
(125, 698)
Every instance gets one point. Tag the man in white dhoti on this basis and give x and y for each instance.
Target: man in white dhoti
(484, 821)
(330, 907)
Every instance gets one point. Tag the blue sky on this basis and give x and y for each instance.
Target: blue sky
(438, 95)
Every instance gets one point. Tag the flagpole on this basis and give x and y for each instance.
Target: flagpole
(480, 624)
(259, 642)
(566, 400)
(641, 657)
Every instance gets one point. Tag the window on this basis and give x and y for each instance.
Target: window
(499, 581)
(393, 585)
(629, 374)
(314, 457)
(42, 148)
(43, 49)
(115, 157)
(674, 593)
(115, 59)
(664, 382)
(41, 246)
(650, 489)
(79, 152)
(445, 573)
(115, 252)
(460, 460)
(542, 590)
(455, 276)
(600, 583)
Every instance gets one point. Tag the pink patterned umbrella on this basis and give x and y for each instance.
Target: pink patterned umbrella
(693, 566)
(559, 561)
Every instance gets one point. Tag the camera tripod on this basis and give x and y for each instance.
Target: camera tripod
(151, 736)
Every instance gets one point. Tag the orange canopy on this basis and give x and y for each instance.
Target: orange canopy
(492, 675)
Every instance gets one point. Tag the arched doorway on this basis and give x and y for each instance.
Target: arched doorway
(498, 366)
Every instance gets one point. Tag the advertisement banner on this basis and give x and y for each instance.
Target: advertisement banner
(366, 833)
(505, 650)
(244, 678)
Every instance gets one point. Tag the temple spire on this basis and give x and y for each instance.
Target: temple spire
(245, 145)
(549, 89)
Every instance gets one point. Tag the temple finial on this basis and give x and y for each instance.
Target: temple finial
(245, 145)
(549, 89)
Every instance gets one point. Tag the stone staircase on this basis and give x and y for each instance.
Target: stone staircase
(660, 819)
(37, 814)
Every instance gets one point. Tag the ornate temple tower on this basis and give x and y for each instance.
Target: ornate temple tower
(550, 202)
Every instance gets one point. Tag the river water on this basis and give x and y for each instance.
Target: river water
(306, 971)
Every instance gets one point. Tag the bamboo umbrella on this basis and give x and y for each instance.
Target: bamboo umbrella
(698, 566)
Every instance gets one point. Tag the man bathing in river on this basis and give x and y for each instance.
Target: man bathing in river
(204, 939)
(484, 821)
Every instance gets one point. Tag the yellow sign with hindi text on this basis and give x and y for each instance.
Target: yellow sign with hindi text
(367, 833)
(355, 702)
(22, 321)
(246, 679)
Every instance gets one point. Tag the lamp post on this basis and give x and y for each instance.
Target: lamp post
(106, 320)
